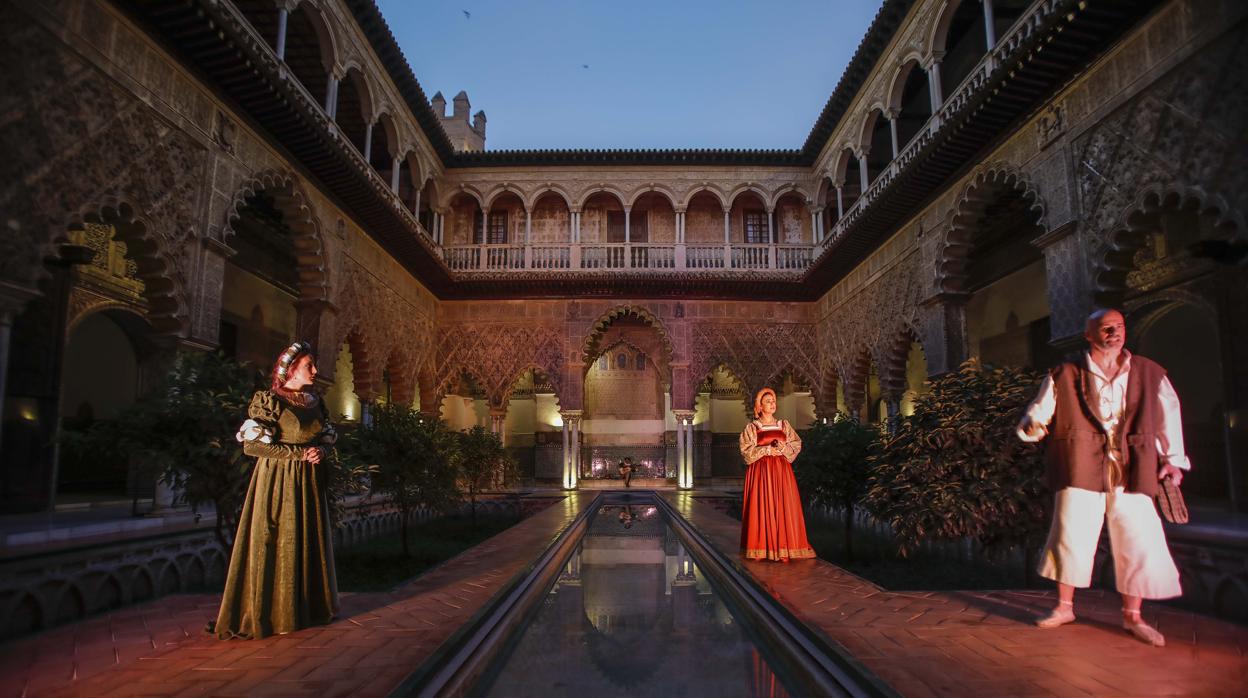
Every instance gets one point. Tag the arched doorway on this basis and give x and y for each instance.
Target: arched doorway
(723, 409)
(533, 428)
(108, 262)
(465, 404)
(104, 375)
(1184, 339)
(992, 260)
(626, 396)
(341, 399)
(625, 404)
(261, 284)
(916, 378)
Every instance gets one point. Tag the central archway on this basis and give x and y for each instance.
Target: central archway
(626, 395)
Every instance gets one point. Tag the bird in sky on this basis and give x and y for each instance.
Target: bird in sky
(585, 66)
(467, 14)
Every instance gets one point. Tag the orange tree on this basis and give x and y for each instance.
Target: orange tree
(832, 469)
(483, 463)
(413, 459)
(955, 467)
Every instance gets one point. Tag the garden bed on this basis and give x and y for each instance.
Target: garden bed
(380, 565)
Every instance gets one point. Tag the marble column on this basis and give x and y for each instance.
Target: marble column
(283, 17)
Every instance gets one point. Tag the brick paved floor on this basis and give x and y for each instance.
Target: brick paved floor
(983, 643)
(159, 648)
(923, 644)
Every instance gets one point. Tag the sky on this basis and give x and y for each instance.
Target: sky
(639, 74)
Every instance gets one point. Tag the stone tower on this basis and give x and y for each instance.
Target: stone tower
(465, 136)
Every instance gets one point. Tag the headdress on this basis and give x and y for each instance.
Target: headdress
(758, 400)
(288, 357)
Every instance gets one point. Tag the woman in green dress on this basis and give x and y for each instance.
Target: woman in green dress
(281, 575)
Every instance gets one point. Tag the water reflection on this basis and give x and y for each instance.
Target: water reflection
(631, 614)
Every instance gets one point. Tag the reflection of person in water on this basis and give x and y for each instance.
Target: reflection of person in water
(626, 516)
(626, 471)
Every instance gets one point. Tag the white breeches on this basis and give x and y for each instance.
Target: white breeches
(1142, 563)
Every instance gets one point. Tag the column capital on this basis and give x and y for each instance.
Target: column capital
(946, 298)
(13, 298)
(220, 248)
(683, 415)
(1055, 235)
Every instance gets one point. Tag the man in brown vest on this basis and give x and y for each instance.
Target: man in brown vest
(1115, 433)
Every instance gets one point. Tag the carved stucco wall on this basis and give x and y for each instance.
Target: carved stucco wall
(123, 135)
(1161, 117)
(496, 342)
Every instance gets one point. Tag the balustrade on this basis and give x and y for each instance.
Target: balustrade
(751, 256)
(704, 257)
(644, 257)
(1014, 40)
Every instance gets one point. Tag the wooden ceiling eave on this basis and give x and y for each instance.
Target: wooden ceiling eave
(1012, 92)
(210, 39)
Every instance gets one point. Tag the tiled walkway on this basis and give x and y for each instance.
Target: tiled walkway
(160, 649)
(922, 644)
(983, 643)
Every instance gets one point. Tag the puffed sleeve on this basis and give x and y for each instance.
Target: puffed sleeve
(259, 434)
(750, 450)
(792, 442)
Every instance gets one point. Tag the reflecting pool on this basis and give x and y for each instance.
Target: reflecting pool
(632, 615)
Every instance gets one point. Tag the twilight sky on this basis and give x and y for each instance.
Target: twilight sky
(661, 74)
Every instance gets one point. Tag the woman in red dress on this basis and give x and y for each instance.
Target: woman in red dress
(772, 525)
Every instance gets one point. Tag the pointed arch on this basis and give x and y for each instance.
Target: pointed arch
(537, 368)
(983, 189)
(792, 370)
(309, 240)
(365, 370)
(168, 307)
(747, 391)
(893, 368)
(1142, 216)
(590, 346)
(451, 378)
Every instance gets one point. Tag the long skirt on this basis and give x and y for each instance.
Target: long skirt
(772, 524)
(281, 575)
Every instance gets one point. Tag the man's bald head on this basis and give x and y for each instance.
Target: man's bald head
(1094, 318)
(1106, 330)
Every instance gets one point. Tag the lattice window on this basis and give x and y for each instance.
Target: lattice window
(755, 227)
(498, 228)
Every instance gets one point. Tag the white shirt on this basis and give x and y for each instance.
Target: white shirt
(1106, 397)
